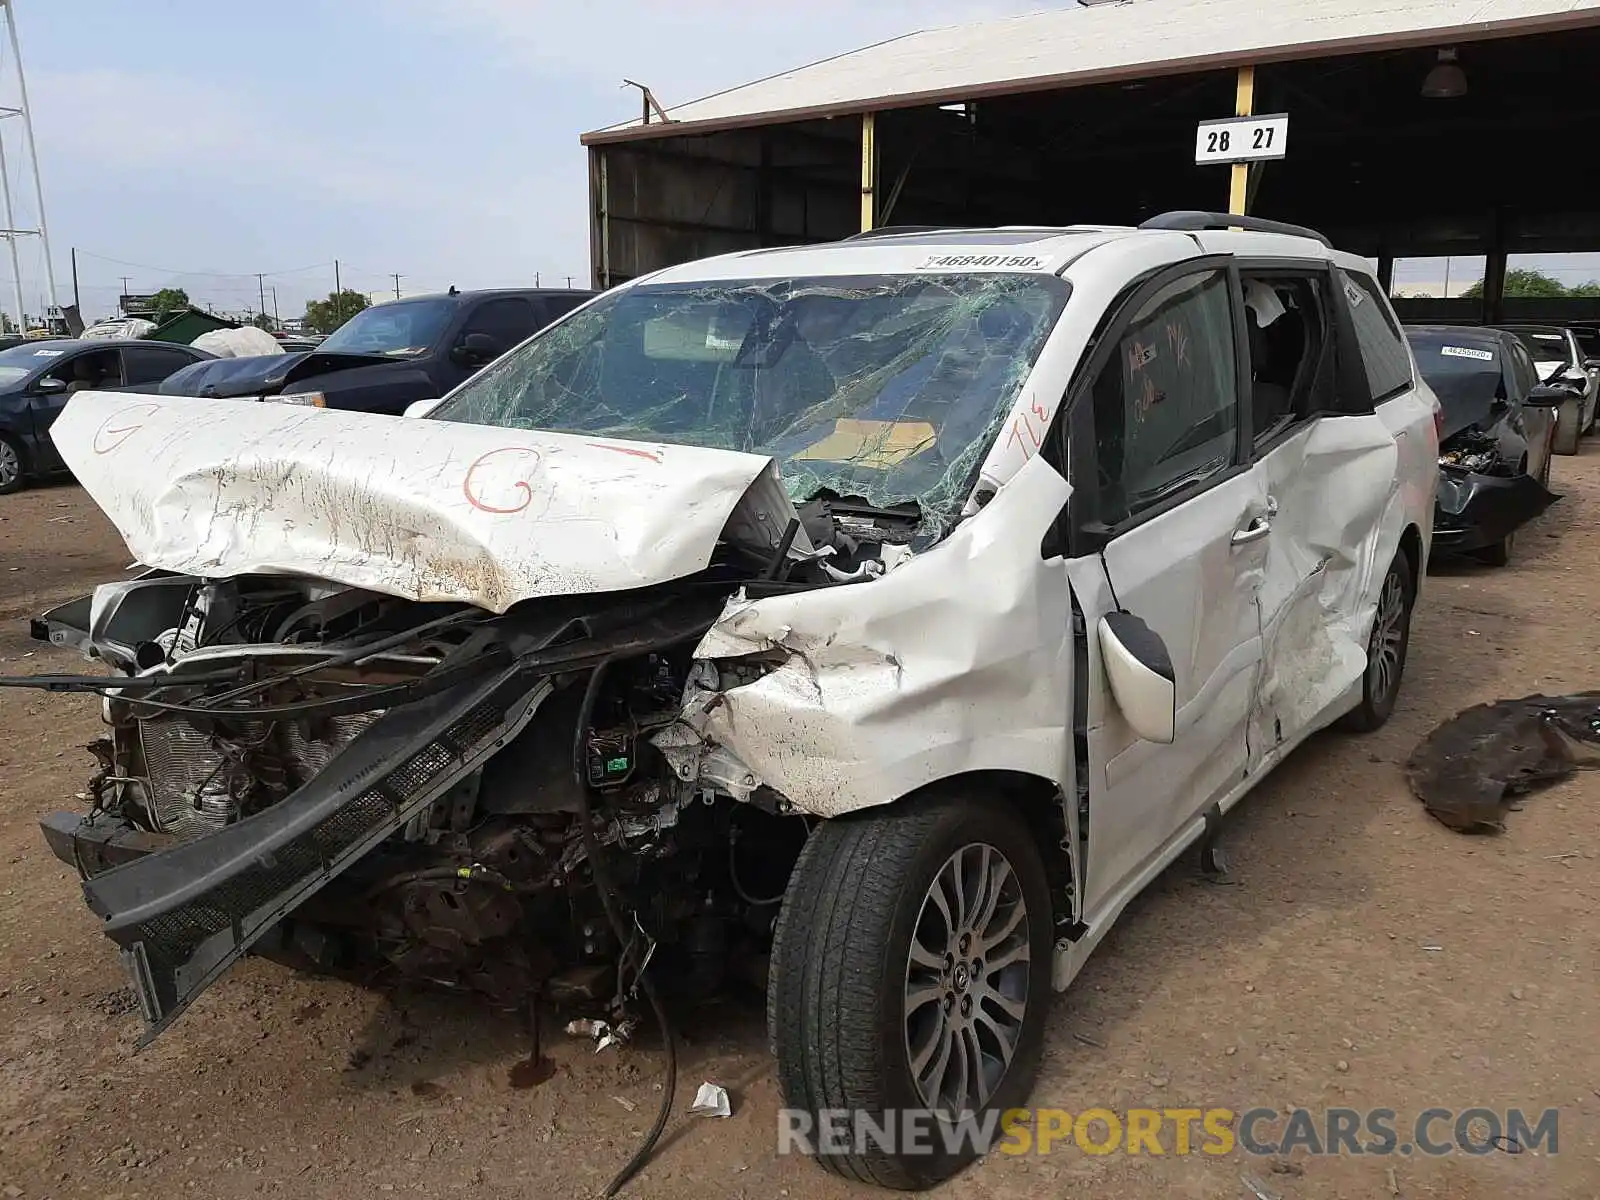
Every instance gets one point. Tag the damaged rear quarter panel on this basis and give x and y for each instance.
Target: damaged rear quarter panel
(958, 661)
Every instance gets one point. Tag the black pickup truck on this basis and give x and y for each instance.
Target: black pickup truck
(390, 355)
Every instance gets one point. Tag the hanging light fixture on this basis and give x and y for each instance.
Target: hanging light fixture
(1446, 80)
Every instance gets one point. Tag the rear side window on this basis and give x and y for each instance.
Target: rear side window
(508, 320)
(152, 364)
(1383, 350)
(551, 307)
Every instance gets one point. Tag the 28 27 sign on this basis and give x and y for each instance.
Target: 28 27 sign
(1242, 139)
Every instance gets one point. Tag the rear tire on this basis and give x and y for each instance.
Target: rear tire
(1568, 417)
(877, 980)
(1386, 649)
(13, 466)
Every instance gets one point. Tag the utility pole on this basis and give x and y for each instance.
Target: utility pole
(536, 279)
(396, 279)
(76, 302)
(11, 240)
(261, 291)
(33, 152)
(569, 281)
(338, 297)
(275, 318)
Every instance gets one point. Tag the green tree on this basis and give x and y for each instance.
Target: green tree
(263, 321)
(1589, 290)
(1525, 281)
(171, 300)
(324, 316)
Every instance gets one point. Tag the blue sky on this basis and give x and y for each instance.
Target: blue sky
(436, 138)
(197, 142)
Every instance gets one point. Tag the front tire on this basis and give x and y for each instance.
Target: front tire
(1499, 554)
(1568, 417)
(13, 466)
(910, 972)
(1386, 649)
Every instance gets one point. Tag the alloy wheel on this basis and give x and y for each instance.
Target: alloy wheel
(967, 981)
(1388, 638)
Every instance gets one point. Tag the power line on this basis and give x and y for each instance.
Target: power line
(122, 262)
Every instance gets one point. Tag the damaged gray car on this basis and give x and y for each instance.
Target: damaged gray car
(893, 610)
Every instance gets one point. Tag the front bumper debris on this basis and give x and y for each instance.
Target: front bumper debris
(1476, 511)
(95, 844)
(184, 916)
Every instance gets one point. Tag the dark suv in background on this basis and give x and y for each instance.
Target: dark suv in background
(390, 355)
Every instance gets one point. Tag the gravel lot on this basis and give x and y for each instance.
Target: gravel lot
(1363, 956)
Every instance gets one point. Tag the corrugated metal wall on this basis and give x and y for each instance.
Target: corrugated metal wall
(674, 199)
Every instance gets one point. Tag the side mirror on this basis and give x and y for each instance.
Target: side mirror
(1547, 396)
(1140, 672)
(419, 408)
(49, 385)
(1591, 364)
(475, 349)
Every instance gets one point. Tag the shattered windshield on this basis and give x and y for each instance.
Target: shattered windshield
(403, 329)
(890, 388)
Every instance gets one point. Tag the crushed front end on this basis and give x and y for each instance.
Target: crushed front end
(1482, 497)
(340, 778)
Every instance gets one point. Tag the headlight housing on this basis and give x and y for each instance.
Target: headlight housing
(307, 399)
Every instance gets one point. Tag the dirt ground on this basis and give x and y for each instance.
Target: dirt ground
(1363, 956)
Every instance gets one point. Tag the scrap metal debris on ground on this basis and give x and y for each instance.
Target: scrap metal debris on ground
(1468, 770)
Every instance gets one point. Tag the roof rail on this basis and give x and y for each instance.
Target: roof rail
(893, 230)
(1193, 221)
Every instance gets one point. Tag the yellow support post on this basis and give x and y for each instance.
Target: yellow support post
(1245, 102)
(869, 170)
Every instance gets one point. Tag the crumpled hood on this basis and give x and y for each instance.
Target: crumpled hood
(1462, 416)
(263, 374)
(426, 510)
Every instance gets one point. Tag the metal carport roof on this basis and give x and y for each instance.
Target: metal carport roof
(1097, 44)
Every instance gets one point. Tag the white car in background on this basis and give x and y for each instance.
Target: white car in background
(982, 569)
(1559, 359)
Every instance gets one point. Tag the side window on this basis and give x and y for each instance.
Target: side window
(1383, 350)
(94, 370)
(552, 307)
(508, 320)
(1291, 360)
(1166, 408)
(152, 364)
(1524, 375)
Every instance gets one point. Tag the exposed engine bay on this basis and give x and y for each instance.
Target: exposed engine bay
(1482, 494)
(1476, 451)
(338, 778)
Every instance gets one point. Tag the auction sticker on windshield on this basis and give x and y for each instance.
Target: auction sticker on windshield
(986, 262)
(1466, 352)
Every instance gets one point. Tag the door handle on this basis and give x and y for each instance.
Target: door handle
(1258, 528)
